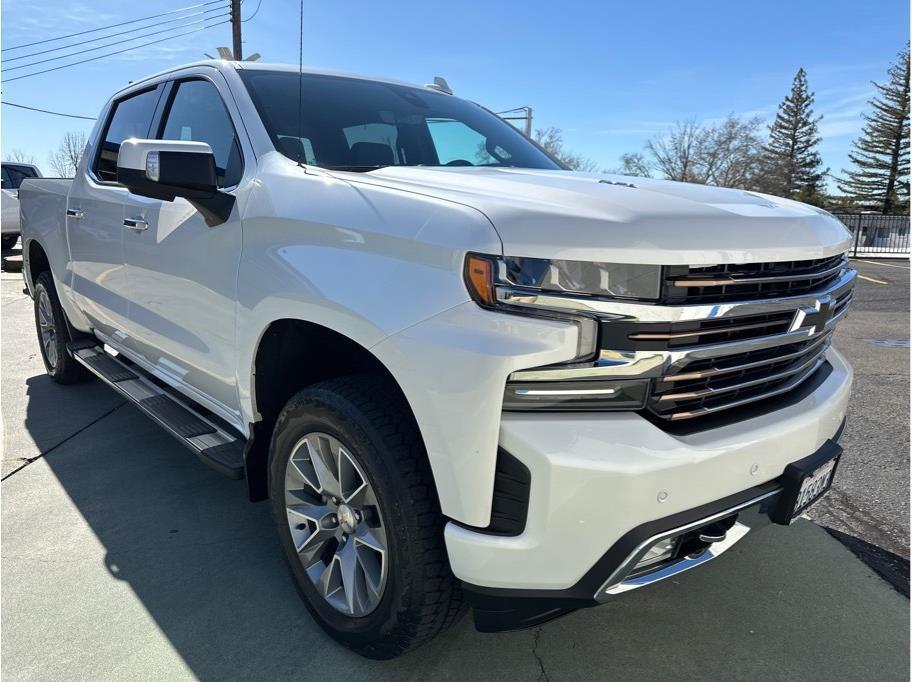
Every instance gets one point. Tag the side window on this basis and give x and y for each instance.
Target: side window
(197, 113)
(7, 183)
(130, 117)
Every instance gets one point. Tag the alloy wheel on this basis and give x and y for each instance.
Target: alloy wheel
(46, 328)
(336, 525)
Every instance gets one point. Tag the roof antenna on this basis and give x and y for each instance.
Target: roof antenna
(440, 85)
(300, 85)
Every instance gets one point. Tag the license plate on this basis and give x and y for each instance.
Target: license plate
(804, 482)
(814, 486)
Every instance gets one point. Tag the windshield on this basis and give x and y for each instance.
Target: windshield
(361, 125)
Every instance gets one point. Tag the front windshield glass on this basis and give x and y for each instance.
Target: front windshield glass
(361, 125)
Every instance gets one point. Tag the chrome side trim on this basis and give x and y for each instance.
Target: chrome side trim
(617, 582)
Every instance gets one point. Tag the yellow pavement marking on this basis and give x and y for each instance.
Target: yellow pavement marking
(887, 265)
(871, 279)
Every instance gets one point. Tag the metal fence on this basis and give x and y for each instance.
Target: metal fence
(877, 235)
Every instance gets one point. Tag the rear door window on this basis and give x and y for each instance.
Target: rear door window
(130, 117)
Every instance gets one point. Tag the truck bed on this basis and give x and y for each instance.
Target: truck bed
(42, 205)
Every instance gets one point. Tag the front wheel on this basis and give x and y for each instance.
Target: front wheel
(358, 517)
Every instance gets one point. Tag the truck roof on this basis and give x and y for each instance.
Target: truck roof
(223, 64)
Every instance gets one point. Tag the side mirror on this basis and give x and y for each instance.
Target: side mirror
(166, 169)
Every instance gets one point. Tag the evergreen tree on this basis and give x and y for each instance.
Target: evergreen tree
(791, 163)
(880, 180)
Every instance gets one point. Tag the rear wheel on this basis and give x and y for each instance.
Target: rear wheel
(359, 520)
(50, 323)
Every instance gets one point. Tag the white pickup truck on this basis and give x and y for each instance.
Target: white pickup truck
(461, 373)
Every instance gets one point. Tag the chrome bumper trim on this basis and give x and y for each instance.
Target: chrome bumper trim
(618, 581)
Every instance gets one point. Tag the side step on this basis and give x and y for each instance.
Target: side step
(215, 446)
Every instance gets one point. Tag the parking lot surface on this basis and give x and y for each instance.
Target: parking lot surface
(869, 504)
(123, 557)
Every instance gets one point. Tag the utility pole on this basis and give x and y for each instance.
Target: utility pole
(236, 29)
(527, 117)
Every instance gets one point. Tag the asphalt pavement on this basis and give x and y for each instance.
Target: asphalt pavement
(868, 507)
(123, 557)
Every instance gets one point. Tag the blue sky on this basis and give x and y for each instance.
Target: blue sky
(611, 74)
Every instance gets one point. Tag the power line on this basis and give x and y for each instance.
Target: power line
(259, 2)
(47, 111)
(110, 54)
(104, 28)
(116, 42)
(120, 33)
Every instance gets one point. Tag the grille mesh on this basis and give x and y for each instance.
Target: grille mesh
(720, 283)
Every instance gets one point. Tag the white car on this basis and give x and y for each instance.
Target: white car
(14, 174)
(461, 373)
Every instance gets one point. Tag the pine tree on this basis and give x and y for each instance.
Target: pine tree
(880, 180)
(791, 163)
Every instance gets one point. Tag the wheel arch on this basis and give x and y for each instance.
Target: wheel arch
(35, 261)
(291, 354)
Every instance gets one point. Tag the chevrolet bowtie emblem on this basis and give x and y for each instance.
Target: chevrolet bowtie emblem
(814, 319)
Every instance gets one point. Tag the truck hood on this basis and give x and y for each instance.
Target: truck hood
(610, 218)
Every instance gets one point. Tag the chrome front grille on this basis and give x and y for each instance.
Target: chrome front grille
(716, 284)
(704, 387)
(709, 356)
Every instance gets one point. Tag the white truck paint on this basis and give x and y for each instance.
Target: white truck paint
(380, 257)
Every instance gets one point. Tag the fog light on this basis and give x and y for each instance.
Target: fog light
(659, 552)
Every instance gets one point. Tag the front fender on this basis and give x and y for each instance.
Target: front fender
(452, 368)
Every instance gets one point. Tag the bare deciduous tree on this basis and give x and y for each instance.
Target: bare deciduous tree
(65, 160)
(634, 164)
(726, 154)
(731, 152)
(19, 156)
(552, 139)
(677, 153)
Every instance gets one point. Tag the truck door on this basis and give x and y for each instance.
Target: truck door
(183, 273)
(94, 217)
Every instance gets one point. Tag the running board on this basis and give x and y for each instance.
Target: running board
(214, 445)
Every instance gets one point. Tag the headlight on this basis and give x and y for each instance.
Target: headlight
(534, 286)
(485, 275)
(613, 280)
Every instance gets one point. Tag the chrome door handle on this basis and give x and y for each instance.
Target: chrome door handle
(136, 224)
(75, 213)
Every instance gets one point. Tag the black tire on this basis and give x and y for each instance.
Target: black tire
(9, 241)
(62, 368)
(422, 597)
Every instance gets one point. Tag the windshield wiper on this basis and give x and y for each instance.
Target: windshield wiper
(357, 169)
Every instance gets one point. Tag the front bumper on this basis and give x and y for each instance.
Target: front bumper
(596, 478)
